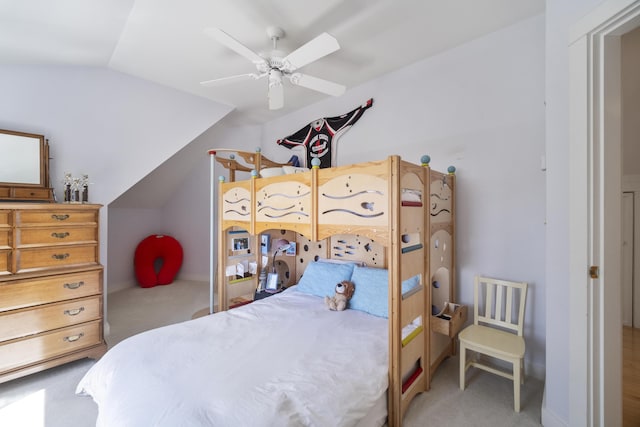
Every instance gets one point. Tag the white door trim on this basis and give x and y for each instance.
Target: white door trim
(595, 213)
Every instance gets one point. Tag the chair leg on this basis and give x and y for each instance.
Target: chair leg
(516, 385)
(463, 364)
(522, 371)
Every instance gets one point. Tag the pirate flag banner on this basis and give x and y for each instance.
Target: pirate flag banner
(320, 137)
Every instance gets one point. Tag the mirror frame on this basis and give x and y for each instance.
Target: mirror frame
(29, 191)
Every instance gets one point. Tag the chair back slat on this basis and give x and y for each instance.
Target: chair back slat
(498, 305)
(508, 312)
(488, 309)
(498, 308)
(523, 301)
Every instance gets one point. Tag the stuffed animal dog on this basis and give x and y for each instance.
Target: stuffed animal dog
(344, 292)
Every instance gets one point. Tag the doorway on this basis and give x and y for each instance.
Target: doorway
(630, 244)
(596, 212)
(630, 317)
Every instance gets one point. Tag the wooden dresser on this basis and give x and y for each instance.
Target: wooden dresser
(51, 306)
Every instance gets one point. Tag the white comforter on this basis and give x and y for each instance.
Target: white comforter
(282, 361)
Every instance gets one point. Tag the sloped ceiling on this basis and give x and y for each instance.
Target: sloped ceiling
(163, 40)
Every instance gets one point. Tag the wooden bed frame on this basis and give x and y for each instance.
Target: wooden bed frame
(380, 212)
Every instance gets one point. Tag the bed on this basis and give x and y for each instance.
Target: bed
(256, 373)
(287, 360)
(389, 214)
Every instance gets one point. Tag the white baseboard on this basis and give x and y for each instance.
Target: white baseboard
(549, 418)
(114, 287)
(194, 277)
(536, 371)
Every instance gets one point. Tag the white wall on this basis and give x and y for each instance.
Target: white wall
(560, 15)
(479, 107)
(128, 227)
(114, 127)
(186, 214)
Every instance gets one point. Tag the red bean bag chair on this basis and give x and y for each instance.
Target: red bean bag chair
(155, 248)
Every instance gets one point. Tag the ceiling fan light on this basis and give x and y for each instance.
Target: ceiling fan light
(275, 77)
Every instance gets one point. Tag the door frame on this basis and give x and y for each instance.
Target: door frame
(595, 190)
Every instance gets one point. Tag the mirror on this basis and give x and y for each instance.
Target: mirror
(24, 166)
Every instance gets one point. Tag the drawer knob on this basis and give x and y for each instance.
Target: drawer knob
(74, 312)
(60, 235)
(74, 285)
(59, 217)
(60, 257)
(73, 338)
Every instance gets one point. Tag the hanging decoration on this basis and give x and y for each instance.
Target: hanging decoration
(320, 137)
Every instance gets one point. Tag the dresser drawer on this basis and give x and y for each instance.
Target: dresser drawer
(56, 217)
(5, 217)
(27, 193)
(5, 238)
(18, 353)
(57, 256)
(55, 235)
(5, 263)
(31, 292)
(30, 321)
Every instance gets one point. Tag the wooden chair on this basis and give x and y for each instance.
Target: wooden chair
(494, 333)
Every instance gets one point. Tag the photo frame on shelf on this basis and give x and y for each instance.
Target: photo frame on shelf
(240, 245)
(265, 243)
(291, 250)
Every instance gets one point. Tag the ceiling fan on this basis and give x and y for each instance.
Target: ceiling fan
(276, 65)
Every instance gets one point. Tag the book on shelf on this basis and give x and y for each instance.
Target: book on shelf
(239, 301)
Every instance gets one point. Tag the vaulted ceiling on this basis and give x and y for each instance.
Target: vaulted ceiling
(163, 40)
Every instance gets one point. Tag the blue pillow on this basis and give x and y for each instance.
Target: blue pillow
(372, 291)
(320, 278)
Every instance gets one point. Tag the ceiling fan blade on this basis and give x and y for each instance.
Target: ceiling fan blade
(231, 79)
(276, 90)
(233, 44)
(315, 83)
(315, 49)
